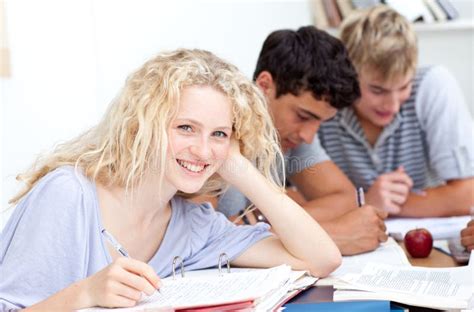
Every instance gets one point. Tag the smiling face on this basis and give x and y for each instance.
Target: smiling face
(381, 100)
(297, 118)
(199, 138)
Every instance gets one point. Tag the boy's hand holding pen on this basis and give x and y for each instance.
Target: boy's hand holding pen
(389, 191)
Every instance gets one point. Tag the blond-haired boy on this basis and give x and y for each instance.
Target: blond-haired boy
(408, 141)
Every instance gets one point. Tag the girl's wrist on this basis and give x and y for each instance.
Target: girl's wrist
(83, 299)
(235, 169)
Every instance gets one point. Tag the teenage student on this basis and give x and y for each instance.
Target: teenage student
(186, 122)
(408, 139)
(306, 77)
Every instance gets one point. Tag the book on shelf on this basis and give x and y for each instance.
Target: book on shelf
(345, 8)
(448, 8)
(364, 4)
(211, 290)
(319, 14)
(437, 288)
(332, 13)
(436, 10)
(427, 11)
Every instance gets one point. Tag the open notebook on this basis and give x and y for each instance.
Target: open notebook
(259, 289)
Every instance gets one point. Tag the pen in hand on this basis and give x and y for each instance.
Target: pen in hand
(360, 197)
(117, 246)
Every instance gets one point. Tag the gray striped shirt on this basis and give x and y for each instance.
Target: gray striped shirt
(431, 136)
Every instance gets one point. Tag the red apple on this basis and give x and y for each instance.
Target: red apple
(419, 243)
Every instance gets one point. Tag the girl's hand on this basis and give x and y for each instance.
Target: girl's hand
(120, 284)
(235, 166)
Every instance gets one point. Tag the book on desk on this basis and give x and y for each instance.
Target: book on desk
(269, 289)
(223, 290)
(369, 276)
(438, 288)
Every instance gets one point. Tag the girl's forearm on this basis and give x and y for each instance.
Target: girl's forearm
(70, 298)
(301, 235)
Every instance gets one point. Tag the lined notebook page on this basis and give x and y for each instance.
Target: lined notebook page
(199, 291)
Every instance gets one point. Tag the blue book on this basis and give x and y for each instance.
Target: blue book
(353, 306)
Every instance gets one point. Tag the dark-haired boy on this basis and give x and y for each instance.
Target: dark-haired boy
(306, 77)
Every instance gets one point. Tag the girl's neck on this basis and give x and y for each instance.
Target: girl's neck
(139, 206)
(134, 217)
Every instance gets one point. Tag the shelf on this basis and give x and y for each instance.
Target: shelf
(459, 24)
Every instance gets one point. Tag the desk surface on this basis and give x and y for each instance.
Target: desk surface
(436, 259)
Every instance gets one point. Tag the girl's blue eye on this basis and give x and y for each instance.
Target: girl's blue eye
(220, 134)
(186, 128)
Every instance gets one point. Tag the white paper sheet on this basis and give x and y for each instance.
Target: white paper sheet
(389, 252)
(440, 228)
(446, 288)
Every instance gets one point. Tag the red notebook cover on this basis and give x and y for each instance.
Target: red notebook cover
(237, 306)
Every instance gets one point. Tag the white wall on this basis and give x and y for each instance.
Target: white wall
(70, 57)
(51, 93)
(455, 50)
(452, 45)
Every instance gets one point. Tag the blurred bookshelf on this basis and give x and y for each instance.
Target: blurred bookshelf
(426, 15)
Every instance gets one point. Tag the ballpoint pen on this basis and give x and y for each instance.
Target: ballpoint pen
(360, 197)
(117, 246)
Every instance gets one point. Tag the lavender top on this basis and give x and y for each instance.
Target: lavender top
(53, 239)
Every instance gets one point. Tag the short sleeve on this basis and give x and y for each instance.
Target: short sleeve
(447, 124)
(305, 156)
(43, 244)
(212, 234)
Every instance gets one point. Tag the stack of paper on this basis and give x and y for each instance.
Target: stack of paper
(299, 280)
(438, 288)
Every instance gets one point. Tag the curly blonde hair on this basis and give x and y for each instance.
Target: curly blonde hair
(380, 40)
(132, 137)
